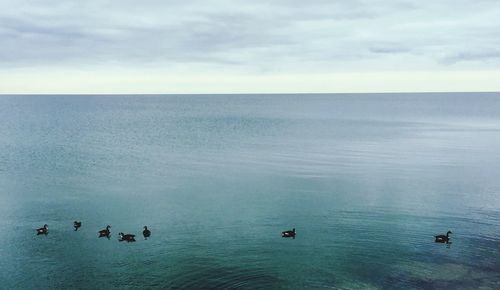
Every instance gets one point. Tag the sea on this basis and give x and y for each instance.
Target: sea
(367, 181)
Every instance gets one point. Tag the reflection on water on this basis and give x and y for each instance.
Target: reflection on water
(205, 274)
(366, 180)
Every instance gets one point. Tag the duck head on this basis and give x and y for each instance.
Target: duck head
(448, 233)
(46, 226)
(145, 227)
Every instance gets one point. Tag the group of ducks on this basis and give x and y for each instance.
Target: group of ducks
(438, 238)
(131, 238)
(102, 233)
(147, 233)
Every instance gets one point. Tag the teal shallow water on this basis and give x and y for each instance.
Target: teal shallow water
(367, 180)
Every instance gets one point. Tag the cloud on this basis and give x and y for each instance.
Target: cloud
(236, 36)
(474, 56)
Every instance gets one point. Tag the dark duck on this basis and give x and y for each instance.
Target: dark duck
(126, 237)
(443, 238)
(146, 233)
(77, 225)
(288, 234)
(43, 231)
(105, 232)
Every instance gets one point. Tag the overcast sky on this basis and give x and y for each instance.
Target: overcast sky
(236, 46)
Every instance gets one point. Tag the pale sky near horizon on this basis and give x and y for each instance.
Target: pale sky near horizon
(236, 46)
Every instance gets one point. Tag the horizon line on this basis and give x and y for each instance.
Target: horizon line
(210, 94)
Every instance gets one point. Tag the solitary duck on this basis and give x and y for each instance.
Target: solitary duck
(43, 231)
(77, 225)
(126, 237)
(443, 238)
(146, 233)
(288, 234)
(105, 232)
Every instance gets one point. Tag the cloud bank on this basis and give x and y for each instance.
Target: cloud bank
(176, 40)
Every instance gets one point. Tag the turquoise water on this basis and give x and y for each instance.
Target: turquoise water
(366, 180)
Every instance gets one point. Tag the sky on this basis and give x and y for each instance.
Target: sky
(252, 46)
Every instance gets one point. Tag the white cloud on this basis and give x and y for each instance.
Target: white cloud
(217, 39)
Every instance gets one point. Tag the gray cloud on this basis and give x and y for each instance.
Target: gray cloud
(277, 35)
(473, 56)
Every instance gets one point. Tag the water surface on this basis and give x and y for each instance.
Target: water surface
(366, 179)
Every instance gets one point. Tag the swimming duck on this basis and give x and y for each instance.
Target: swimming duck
(288, 234)
(105, 232)
(146, 233)
(43, 231)
(126, 237)
(77, 225)
(443, 238)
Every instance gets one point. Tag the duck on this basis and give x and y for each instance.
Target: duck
(77, 225)
(146, 233)
(443, 238)
(105, 232)
(288, 234)
(126, 237)
(43, 231)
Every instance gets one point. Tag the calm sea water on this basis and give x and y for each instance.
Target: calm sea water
(366, 179)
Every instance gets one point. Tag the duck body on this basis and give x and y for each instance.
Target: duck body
(443, 238)
(105, 232)
(43, 230)
(126, 237)
(146, 233)
(77, 225)
(288, 234)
